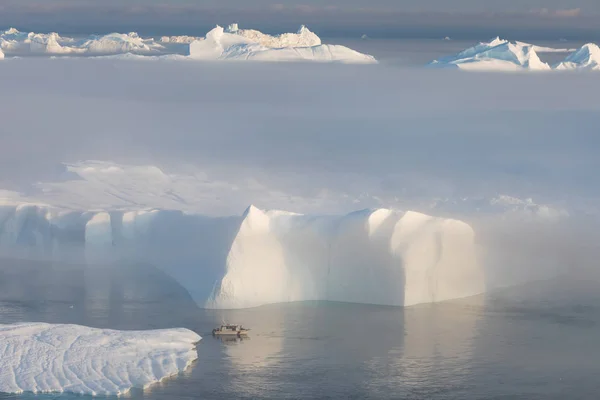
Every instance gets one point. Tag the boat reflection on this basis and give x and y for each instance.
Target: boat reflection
(231, 340)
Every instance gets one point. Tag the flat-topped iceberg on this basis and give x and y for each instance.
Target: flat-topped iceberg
(496, 55)
(40, 358)
(377, 256)
(236, 44)
(585, 58)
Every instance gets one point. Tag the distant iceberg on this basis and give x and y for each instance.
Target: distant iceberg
(42, 358)
(184, 39)
(496, 55)
(115, 43)
(238, 44)
(585, 58)
(21, 43)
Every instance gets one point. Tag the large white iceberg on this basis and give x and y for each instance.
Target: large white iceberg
(585, 58)
(497, 55)
(39, 357)
(373, 256)
(236, 44)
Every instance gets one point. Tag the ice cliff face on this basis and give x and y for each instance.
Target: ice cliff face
(374, 257)
(377, 257)
(236, 44)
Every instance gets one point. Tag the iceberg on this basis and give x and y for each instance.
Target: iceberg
(585, 58)
(116, 43)
(379, 256)
(16, 42)
(303, 38)
(372, 256)
(41, 358)
(179, 39)
(236, 44)
(497, 55)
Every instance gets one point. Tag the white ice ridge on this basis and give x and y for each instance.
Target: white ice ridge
(39, 357)
(585, 58)
(496, 55)
(14, 42)
(242, 44)
(373, 256)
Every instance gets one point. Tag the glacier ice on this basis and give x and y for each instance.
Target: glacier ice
(236, 44)
(373, 256)
(498, 54)
(40, 357)
(585, 58)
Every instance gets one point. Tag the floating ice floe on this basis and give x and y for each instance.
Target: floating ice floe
(585, 58)
(39, 357)
(240, 44)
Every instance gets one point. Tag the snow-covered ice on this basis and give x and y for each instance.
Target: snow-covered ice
(585, 58)
(237, 44)
(40, 357)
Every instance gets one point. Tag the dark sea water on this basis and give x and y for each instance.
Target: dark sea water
(538, 341)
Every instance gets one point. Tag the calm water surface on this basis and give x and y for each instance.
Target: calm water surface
(517, 344)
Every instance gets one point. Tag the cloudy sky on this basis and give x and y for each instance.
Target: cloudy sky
(392, 18)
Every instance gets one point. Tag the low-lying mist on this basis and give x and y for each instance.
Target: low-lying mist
(513, 155)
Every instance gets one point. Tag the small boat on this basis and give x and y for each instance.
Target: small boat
(230, 330)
